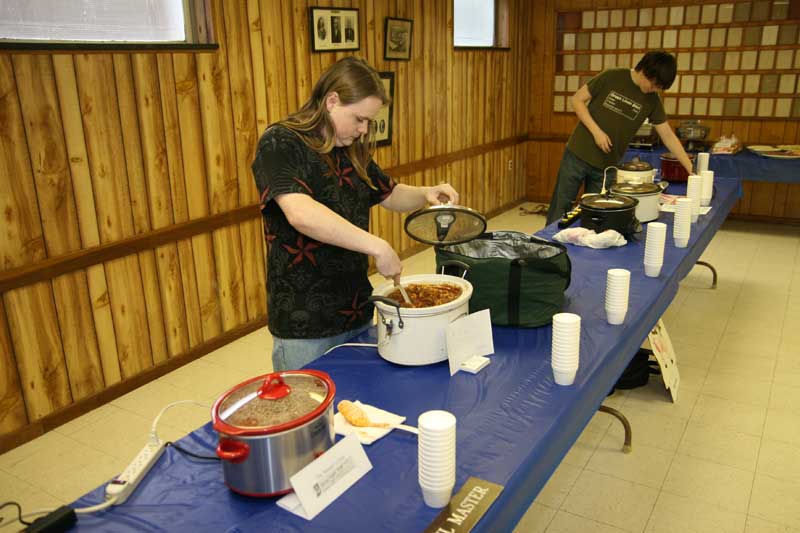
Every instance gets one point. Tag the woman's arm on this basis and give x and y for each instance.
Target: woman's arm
(315, 220)
(407, 198)
(674, 145)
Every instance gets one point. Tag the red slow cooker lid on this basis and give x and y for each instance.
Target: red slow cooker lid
(273, 403)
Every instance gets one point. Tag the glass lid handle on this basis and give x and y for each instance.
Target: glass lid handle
(274, 388)
(443, 222)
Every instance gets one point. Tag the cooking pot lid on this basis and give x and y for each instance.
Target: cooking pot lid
(273, 402)
(445, 224)
(635, 188)
(608, 202)
(636, 165)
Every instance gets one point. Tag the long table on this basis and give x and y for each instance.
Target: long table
(514, 423)
(745, 165)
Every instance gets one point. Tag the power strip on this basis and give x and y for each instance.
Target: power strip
(123, 485)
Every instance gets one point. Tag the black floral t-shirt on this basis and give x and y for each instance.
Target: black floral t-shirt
(314, 289)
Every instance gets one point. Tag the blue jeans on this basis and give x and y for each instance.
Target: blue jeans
(292, 354)
(573, 172)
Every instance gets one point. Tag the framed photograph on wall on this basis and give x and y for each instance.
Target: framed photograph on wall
(383, 120)
(397, 34)
(333, 29)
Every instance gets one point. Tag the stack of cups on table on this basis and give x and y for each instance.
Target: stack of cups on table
(654, 248)
(618, 282)
(702, 161)
(566, 347)
(694, 189)
(437, 457)
(682, 226)
(707, 187)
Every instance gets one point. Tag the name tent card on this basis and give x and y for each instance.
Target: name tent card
(326, 478)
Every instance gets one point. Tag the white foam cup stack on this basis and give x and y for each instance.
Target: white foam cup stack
(682, 226)
(707, 187)
(618, 282)
(437, 457)
(694, 188)
(702, 161)
(654, 248)
(566, 347)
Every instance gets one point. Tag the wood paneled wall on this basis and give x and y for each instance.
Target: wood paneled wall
(101, 148)
(763, 200)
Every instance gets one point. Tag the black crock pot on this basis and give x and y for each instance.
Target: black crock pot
(600, 212)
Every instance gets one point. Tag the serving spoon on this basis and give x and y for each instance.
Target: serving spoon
(403, 291)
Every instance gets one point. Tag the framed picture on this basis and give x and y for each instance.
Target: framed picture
(333, 29)
(383, 120)
(397, 34)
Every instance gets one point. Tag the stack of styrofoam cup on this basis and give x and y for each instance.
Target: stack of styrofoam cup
(682, 227)
(618, 282)
(654, 248)
(702, 161)
(694, 189)
(707, 187)
(566, 347)
(437, 457)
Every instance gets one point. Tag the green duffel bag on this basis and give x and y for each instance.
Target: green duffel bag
(521, 279)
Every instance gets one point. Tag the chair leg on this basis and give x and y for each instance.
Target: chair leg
(713, 272)
(626, 448)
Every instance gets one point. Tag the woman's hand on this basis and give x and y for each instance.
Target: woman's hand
(603, 141)
(387, 261)
(440, 194)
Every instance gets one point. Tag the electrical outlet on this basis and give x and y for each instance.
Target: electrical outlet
(510, 164)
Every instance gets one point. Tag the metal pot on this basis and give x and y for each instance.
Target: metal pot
(600, 212)
(416, 336)
(671, 168)
(692, 130)
(647, 194)
(636, 171)
(272, 426)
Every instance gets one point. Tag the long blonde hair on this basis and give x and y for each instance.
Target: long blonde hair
(353, 80)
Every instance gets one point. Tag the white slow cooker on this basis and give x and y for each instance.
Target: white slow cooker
(417, 336)
(635, 171)
(648, 194)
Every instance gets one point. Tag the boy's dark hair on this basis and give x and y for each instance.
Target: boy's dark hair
(658, 66)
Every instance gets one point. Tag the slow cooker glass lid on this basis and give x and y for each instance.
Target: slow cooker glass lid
(636, 188)
(445, 224)
(636, 165)
(608, 202)
(245, 408)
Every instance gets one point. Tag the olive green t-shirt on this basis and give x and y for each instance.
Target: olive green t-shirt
(619, 107)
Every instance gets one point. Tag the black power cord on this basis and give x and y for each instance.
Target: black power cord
(191, 454)
(19, 511)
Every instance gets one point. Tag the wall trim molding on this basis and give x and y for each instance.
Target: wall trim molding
(56, 266)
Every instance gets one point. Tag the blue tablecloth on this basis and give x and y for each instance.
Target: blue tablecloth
(514, 424)
(745, 165)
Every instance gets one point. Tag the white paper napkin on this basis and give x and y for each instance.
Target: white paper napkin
(368, 435)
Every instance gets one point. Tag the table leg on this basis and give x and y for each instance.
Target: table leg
(713, 272)
(626, 448)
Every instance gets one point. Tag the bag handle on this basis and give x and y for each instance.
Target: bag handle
(455, 262)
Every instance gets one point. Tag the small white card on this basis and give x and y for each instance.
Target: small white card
(665, 355)
(326, 478)
(467, 337)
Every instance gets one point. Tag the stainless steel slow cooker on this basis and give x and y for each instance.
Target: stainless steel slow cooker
(648, 194)
(272, 426)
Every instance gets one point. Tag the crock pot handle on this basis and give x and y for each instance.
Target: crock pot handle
(387, 301)
(233, 451)
(274, 388)
(455, 262)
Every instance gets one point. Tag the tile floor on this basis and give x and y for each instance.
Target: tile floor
(726, 457)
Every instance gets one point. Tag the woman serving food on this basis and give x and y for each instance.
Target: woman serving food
(317, 180)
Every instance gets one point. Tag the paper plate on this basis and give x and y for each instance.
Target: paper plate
(762, 148)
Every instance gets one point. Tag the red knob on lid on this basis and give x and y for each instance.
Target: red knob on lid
(274, 388)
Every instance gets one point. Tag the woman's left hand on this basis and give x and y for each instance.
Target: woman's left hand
(439, 194)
